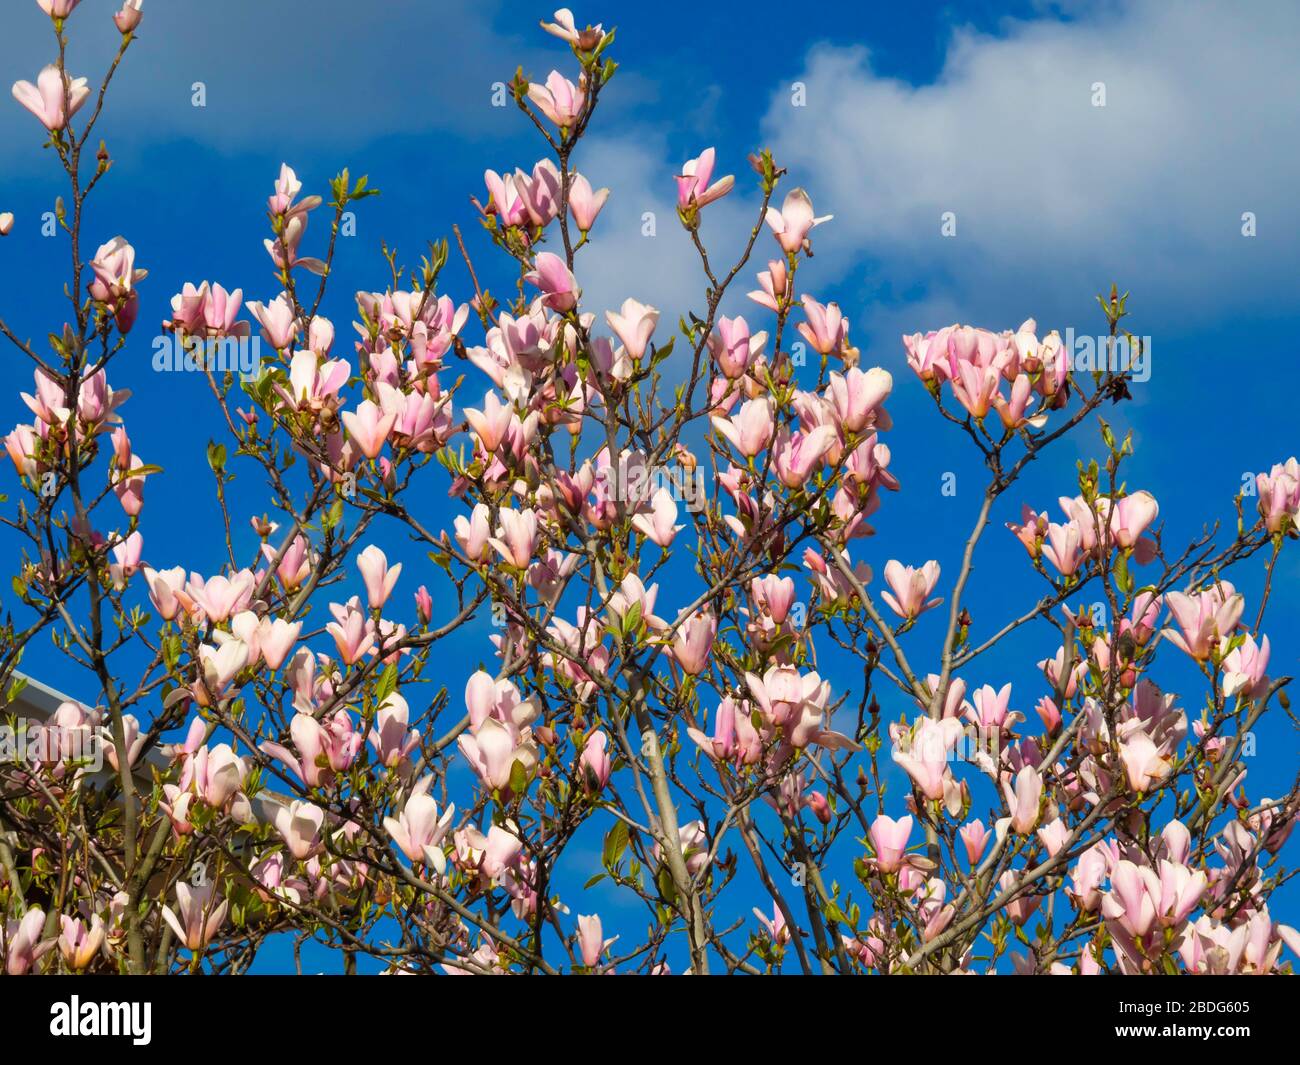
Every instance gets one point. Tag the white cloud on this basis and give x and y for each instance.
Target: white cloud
(1054, 197)
(664, 269)
(324, 70)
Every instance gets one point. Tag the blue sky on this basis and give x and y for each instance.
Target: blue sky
(912, 110)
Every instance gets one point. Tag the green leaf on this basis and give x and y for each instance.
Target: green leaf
(216, 456)
(387, 683)
(518, 778)
(616, 840)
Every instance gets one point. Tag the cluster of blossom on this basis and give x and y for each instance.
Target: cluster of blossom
(976, 364)
(341, 789)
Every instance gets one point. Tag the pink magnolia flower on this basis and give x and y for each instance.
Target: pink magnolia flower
(493, 854)
(391, 737)
(115, 275)
(889, 840)
(559, 99)
(369, 427)
(133, 736)
(280, 327)
(591, 940)
(314, 385)
(1053, 836)
(797, 456)
(1014, 412)
(794, 221)
(1204, 619)
(1022, 801)
(219, 666)
(751, 429)
(774, 595)
(734, 735)
(283, 249)
(23, 448)
(733, 348)
(418, 830)
(925, 751)
(97, 402)
(126, 559)
(1144, 762)
(693, 642)
(559, 287)
(494, 748)
(540, 192)
(595, 764)
(490, 697)
(857, 395)
(473, 533)
(633, 592)
(564, 28)
(1243, 669)
(910, 588)
(378, 576)
(79, 943)
(773, 285)
(974, 837)
(491, 424)
(1132, 904)
(975, 387)
(584, 202)
(693, 188)
(695, 847)
(322, 751)
(504, 199)
(294, 564)
(1063, 548)
(128, 18)
(49, 99)
(785, 696)
(352, 633)
(992, 708)
(216, 775)
(299, 825)
(1131, 516)
(516, 537)
(1087, 877)
(1054, 669)
(777, 930)
(167, 591)
(24, 946)
(423, 604)
(1279, 496)
(220, 309)
(287, 187)
(201, 915)
(634, 323)
(658, 525)
(221, 597)
(275, 639)
(825, 327)
(58, 8)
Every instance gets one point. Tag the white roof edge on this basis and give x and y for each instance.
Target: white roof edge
(46, 700)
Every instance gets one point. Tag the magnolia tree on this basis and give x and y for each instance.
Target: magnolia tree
(661, 524)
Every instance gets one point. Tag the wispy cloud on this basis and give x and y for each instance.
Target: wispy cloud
(1054, 197)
